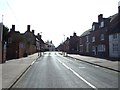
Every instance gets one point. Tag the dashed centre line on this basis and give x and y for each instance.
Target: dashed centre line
(75, 73)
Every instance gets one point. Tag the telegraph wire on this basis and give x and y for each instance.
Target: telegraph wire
(11, 10)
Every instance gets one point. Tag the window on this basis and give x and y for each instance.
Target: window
(93, 48)
(87, 47)
(101, 48)
(81, 48)
(115, 36)
(93, 39)
(87, 39)
(80, 40)
(115, 47)
(102, 37)
(93, 27)
(102, 24)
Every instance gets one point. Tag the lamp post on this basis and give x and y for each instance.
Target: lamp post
(40, 43)
(64, 46)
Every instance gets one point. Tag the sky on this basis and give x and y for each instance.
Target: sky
(55, 19)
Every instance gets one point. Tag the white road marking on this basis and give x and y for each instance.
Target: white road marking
(32, 63)
(81, 67)
(96, 66)
(77, 74)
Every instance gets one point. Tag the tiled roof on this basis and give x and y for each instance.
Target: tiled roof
(86, 32)
(114, 24)
(113, 17)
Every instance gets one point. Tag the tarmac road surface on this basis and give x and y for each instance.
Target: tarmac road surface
(55, 71)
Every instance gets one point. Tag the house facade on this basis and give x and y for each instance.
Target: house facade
(102, 40)
(99, 37)
(40, 45)
(74, 44)
(20, 45)
(114, 36)
(85, 43)
(13, 39)
(66, 45)
(49, 46)
(95, 41)
(31, 41)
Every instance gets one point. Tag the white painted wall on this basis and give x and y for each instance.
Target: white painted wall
(114, 41)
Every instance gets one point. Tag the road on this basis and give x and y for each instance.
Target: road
(55, 71)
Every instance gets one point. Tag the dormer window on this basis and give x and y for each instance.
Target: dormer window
(102, 24)
(93, 27)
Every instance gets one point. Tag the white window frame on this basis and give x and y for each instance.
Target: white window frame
(101, 48)
(87, 47)
(87, 39)
(80, 40)
(115, 36)
(93, 39)
(93, 48)
(115, 47)
(102, 24)
(81, 48)
(93, 27)
(102, 37)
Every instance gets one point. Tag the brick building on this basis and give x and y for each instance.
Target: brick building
(85, 43)
(74, 44)
(31, 41)
(13, 44)
(99, 37)
(66, 45)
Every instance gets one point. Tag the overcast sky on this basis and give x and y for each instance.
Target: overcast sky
(55, 18)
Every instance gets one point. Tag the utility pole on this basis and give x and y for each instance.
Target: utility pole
(1, 40)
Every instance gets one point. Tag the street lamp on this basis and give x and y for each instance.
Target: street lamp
(64, 46)
(40, 42)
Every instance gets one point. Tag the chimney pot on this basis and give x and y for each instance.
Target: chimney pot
(28, 28)
(119, 9)
(100, 17)
(33, 31)
(13, 27)
(74, 34)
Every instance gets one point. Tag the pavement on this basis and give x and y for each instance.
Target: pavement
(13, 69)
(109, 64)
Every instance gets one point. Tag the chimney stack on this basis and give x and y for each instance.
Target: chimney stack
(13, 27)
(74, 34)
(100, 17)
(28, 28)
(33, 31)
(39, 36)
(67, 38)
(119, 7)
